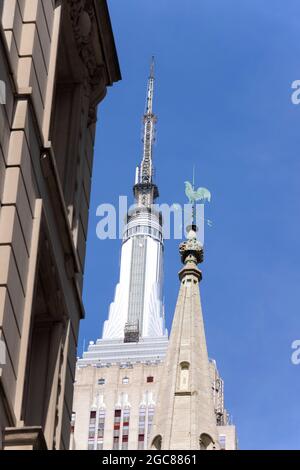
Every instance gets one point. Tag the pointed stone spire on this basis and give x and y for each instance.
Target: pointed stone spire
(184, 415)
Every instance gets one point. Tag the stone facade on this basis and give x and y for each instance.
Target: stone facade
(114, 379)
(111, 390)
(56, 60)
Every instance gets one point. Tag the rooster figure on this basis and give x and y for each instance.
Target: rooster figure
(201, 194)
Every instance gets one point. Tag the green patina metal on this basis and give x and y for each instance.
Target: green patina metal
(201, 194)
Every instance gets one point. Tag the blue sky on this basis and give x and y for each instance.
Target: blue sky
(223, 97)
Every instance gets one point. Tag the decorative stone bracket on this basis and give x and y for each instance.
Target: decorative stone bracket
(85, 28)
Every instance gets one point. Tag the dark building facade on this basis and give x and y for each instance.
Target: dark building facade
(57, 59)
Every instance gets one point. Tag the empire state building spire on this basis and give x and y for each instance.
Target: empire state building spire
(137, 311)
(145, 190)
(149, 131)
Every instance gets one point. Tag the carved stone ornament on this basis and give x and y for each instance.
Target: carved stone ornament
(82, 15)
(191, 250)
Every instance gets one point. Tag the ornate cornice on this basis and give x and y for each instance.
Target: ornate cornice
(84, 24)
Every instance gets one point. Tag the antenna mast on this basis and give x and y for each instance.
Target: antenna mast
(149, 131)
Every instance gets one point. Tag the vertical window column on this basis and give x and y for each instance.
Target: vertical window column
(100, 433)
(92, 430)
(125, 428)
(142, 428)
(117, 425)
(150, 422)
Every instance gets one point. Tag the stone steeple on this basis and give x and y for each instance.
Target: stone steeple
(185, 416)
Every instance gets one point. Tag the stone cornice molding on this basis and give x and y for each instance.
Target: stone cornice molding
(84, 24)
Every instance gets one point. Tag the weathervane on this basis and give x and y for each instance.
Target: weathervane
(201, 194)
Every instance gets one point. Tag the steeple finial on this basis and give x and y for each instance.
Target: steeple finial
(191, 252)
(149, 120)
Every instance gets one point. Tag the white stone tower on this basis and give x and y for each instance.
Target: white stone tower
(137, 310)
(135, 328)
(185, 415)
(118, 376)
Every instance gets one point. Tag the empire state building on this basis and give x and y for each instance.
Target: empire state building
(118, 376)
(135, 328)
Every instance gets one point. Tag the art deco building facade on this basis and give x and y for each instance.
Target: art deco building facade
(134, 388)
(56, 59)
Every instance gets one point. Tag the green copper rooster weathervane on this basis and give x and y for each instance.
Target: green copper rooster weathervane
(201, 194)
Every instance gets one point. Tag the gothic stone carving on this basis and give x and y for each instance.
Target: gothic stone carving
(82, 15)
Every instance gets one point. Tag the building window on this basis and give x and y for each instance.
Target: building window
(101, 381)
(125, 429)
(156, 443)
(206, 442)
(92, 430)
(117, 424)
(125, 380)
(184, 376)
(150, 379)
(150, 419)
(146, 416)
(222, 441)
(142, 427)
(73, 421)
(100, 432)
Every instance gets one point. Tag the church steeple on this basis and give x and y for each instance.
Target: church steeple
(185, 415)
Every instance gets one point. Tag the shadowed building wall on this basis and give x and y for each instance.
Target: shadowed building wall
(56, 60)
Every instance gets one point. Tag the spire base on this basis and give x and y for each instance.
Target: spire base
(131, 332)
(190, 270)
(145, 193)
